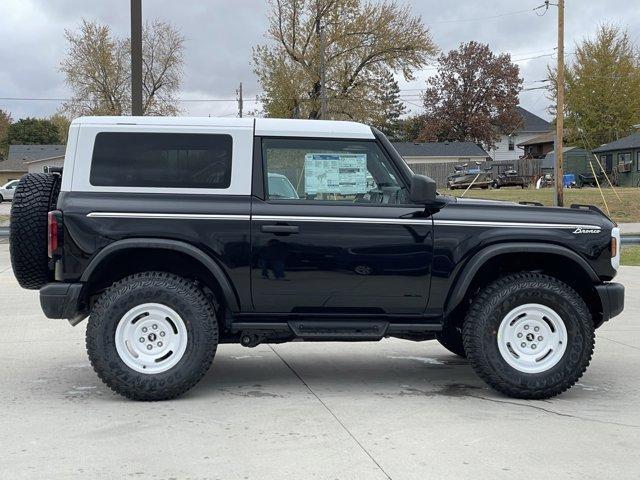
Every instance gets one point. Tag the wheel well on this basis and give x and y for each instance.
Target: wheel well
(129, 261)
(554, 265)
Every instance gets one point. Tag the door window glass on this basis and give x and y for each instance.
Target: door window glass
(330, 170)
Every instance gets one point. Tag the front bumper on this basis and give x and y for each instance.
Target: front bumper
(63, 300)
(612, 300)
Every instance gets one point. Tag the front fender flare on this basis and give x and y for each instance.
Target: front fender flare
(463, 280)
(228, 291)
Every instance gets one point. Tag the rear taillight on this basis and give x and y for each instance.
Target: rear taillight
(54, 234)
(615, 248)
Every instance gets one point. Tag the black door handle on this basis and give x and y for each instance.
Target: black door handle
(280, 229)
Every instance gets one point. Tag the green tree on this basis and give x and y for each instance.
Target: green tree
(391, 108)
(62, 123)
(32, 131)
(362, 43)
(5, 123)
(409, 128)
(473, 96)
(602, 88)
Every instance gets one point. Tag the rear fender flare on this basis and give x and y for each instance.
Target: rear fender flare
(231, 298)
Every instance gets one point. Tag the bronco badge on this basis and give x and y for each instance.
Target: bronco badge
(587, 230)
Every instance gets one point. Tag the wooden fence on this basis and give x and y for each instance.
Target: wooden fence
(528, 168)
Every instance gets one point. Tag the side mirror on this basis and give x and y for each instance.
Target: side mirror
(423, 190)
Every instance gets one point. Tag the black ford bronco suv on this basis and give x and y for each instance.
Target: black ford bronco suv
(176, 234)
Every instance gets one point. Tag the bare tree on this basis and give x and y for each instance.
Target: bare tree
(97, 68)
(162, 62)
(361, 43)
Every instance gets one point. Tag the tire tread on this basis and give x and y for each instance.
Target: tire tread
(489, 298)
(114, 373)
(34, 197)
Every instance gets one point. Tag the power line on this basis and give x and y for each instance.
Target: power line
(183, 100)
(489, 17)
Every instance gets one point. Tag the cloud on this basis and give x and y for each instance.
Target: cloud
(221, 34)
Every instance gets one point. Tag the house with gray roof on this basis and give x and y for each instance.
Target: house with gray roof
(622, 158)
(511, 147)
(29, 158)
(441, 152)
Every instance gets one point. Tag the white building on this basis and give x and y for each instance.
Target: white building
(533, 126)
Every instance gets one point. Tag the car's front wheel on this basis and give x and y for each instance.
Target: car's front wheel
(152, 336)
(529, 335)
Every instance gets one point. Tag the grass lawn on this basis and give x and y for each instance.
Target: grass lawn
(627, 210)
(630, 255)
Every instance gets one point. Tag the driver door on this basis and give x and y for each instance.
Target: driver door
(345, 239)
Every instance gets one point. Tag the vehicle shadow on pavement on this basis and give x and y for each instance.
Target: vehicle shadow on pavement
(263, 374)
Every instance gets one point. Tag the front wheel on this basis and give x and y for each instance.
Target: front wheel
(152, 336)
(529, 336)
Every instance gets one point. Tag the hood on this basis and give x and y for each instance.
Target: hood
(497, 210)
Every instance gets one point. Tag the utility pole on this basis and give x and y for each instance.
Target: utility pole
(323, 87)
(136, 57)
(559, 171)
(239, 93)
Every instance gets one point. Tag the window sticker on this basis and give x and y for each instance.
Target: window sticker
(340, 173)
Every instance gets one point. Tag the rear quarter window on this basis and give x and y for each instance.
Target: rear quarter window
(162, 160)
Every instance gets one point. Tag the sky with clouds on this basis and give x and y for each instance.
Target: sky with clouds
(221, 33)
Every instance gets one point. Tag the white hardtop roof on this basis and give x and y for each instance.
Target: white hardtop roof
(281, 127)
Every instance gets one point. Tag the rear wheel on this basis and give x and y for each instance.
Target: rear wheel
(529, 336)
(152, 336)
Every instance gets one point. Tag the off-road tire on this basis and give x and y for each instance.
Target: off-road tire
(451, 339)
(177, 293)
(494, 302)
(35, 196)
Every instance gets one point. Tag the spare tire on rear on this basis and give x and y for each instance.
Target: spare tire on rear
(35, 196)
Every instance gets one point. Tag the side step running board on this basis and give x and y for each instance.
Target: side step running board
(318, 330)
(255, 333)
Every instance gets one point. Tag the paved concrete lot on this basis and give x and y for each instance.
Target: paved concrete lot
(393, 409)
(5, 208)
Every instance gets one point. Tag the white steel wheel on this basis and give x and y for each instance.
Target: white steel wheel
(532, 338)
(151, 338)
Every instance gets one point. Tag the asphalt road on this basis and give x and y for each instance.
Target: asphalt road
(393, 409)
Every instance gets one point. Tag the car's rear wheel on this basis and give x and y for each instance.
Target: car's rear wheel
(529, 336)
(152, 336)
